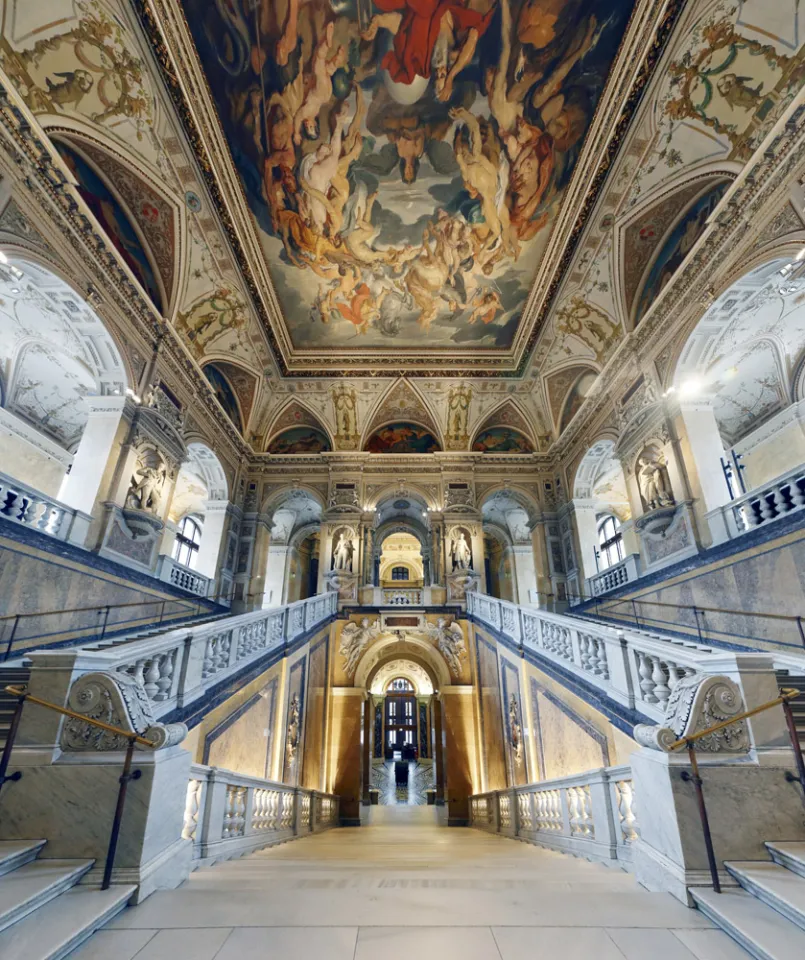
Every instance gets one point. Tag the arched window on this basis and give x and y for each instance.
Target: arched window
(610, 541)
(399, 573)
(400, 685)
(188, 537)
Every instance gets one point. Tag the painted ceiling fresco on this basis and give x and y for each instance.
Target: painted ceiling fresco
(405, 161)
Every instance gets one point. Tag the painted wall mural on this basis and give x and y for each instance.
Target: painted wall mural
(224, 393)
(502, 440)
(404, 161)
(677, 245)
(300, 440)
(402, 438)
(114, 221)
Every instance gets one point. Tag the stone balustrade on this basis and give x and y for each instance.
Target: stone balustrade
(33, 509)
(183, 577)
(770, 501)
(402, 596)
(590, 814)
(627, 571)
(229, 814)
(177, 667)
(634, 668)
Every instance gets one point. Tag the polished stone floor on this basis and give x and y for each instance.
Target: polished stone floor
(402, 888)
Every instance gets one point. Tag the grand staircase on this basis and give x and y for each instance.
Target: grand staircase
(766, 913)
(44, 914)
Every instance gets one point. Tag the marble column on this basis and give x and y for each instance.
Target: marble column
(524, 573)
(82, 484)
(437, 740)
(256, 596)
(587, 533)
(366, 767)
(542, 567)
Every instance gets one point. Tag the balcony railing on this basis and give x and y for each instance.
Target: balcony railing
(626, 571)
(402, 596)
(183, 577)
(768, 502)
(590, 814)
(33, 509)
(229, 814)
(631, 667)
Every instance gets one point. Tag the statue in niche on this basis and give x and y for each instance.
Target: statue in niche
(460, 553)
(292, 733)
(449, 639)
(354, 640)
(342, 554)
(145, 493)
(515, 730)
(652, 477)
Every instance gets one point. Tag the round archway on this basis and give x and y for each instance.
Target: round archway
(56, 359)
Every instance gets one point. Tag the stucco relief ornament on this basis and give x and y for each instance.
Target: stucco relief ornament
(121, 701)
(449, 639)
(695, 704)
(293, 731)
(354, 640)
(515, 730)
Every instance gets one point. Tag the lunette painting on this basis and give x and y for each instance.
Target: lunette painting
(405, 160)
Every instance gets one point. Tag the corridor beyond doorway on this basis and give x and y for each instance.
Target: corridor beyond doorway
(404, 886)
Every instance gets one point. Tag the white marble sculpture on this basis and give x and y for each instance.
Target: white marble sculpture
(342, 554)
(145, 493)
(653, 479)
(450, 643)
(515, 730)
(354, 640)
(292, 731)
(460, 553)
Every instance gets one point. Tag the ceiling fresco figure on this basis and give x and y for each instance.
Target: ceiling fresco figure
(405, 160)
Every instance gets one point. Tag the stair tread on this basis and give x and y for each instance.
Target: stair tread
(58, 927)
(36, 882)
(790, 849)
(760, 930)
(775, 883)
(15, 853)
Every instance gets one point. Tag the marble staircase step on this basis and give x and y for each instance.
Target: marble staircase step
(790, 855)
(57, 928)
(776, 886)
(16, 853)
(760, 930)
(34, 884)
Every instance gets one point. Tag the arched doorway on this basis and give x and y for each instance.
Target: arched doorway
(401, 569)
(402, 765)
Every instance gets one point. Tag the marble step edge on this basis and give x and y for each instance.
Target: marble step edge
(760, 930)
(16, 853)
(64, 875)
(775, 886)
(59, 927)
(790, 855)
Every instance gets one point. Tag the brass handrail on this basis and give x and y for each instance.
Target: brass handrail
(19, 692)
(127, 774)
(786, 694)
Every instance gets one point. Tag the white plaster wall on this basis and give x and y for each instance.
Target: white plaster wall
(24, 462)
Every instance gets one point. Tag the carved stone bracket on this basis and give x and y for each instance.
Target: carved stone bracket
(120, 701)
(695, 704)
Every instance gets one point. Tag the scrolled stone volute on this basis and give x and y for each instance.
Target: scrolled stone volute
(695, 704)
(121, 701)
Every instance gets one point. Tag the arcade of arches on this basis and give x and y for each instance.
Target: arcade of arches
(402, 414)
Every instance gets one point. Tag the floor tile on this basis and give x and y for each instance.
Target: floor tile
(113, 945)
(656, 944)
(556, 943)
(200, 944)
(711, 945)
(290, 943)
(426, 943)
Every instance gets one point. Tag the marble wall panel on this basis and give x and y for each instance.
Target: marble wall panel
(491, 715)
(243, 740)
(316, 720)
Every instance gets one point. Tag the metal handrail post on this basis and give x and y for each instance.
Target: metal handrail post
(127, 775)
(11, 637)
(9, 744)
(792, 733)
(695, 778)
(105, 621)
